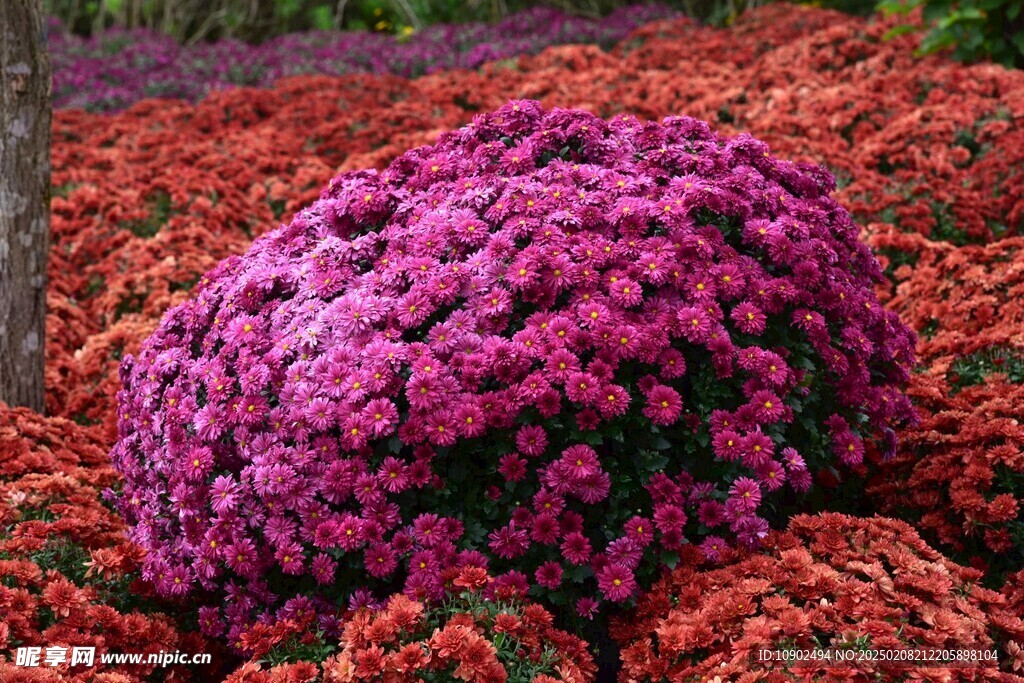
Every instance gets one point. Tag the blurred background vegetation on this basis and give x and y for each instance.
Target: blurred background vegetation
(257, 20)
(974, 29)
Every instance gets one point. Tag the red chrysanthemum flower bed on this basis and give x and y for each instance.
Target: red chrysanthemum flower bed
(469, 637)
(1008, 623)
(862, 587)
(958, 475)
(67, 576)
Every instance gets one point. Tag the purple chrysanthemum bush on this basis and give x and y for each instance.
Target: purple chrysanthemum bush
(549, 345)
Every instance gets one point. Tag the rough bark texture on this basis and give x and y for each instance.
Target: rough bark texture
(25, 118)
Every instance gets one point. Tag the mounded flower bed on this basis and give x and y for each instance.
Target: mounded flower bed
(549, 345)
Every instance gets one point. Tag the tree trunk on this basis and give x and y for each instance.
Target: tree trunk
(25, 119)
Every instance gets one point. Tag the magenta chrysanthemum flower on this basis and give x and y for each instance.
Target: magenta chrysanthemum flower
(545, 528)
(549, 575)
(616, 582)
(669, 517)
(587, 607)
(746, 493)
(224, 495)
(728, 445)
(663, 405)
(710, 513)
(380, 560)
(323, 569)
(241, 556)
(713, 547)
(576, 548)
(748, 318)
(640, 530)
(792, 460)
(771, 475)
(757, 448)
(394, 475)
(768, 407)
(509, 542)
(625, 551)
(531, 440)
(848, 447)
(695, 323)
(580, 462)
(512, 467)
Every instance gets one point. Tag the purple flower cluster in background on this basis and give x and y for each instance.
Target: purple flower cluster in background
(550, 345)
(123, 66)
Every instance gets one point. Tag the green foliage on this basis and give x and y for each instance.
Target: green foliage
(975, 368)
(161, 209)
(857, 7)
(321, 18)
(257, 20)
(973, 29)
(194, 20)
(308, 647)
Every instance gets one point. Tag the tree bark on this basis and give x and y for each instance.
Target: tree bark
(25, 119)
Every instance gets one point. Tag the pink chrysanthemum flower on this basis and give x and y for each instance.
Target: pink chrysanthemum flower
(616, 582)
(663, 405)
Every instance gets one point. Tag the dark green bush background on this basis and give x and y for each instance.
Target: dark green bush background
(974, 29)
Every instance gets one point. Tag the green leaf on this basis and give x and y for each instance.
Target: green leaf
(475, 532)
(321, 18)
(576, 574)
(286, 9)
(890, 7)
(936, 41)
(936, 9)
(1018, 38)
(670, 559)
(655, 462)
(900, 30)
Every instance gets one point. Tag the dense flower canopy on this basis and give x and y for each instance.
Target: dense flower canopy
(549, 343)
